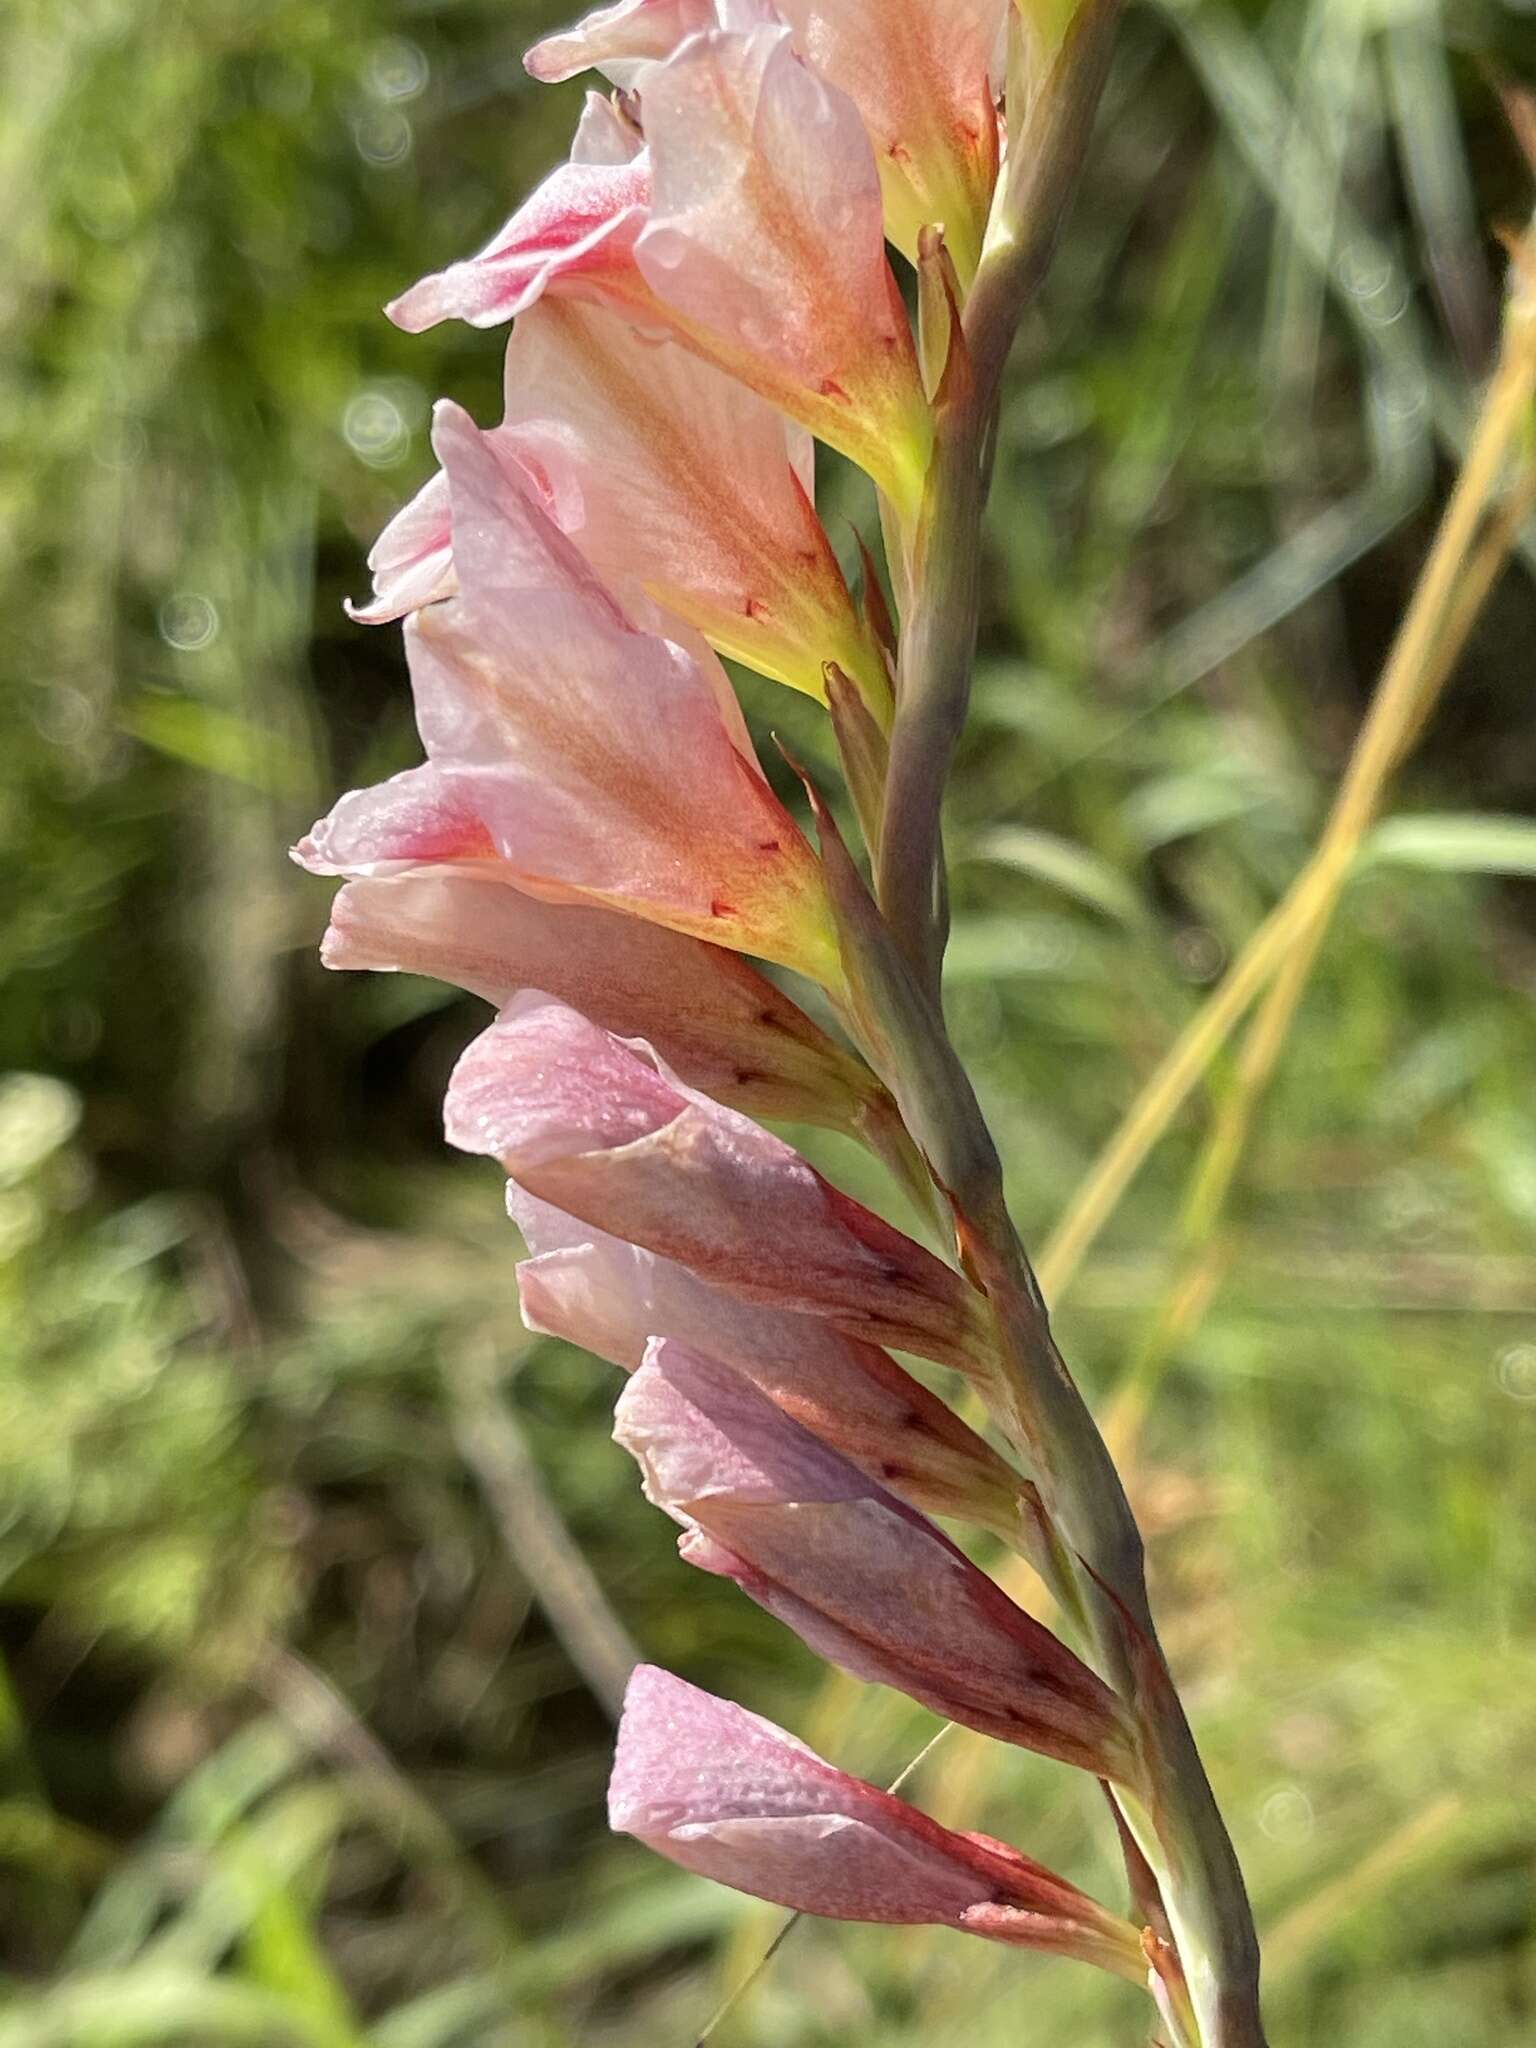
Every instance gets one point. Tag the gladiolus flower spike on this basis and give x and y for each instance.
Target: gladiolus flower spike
(590, 844)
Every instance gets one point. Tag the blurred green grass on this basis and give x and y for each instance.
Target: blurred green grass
(289, 1750)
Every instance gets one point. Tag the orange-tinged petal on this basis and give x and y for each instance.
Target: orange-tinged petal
(765, 233)
(591, 1124)
(669, 474)
(719, 1023)
(920, 73)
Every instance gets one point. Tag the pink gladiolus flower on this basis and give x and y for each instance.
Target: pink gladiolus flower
(919, 72)
(588, 759)
(720, 1024)
(671, 478)
(611, 1298)
(749, 228)
(597, 1127)
(728, 1795)
(859, 1576)
(671, 475)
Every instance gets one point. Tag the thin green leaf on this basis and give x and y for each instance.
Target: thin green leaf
(1063, 865)
(1456, 843)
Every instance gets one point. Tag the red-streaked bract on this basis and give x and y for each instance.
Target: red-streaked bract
(590, 759)
(728, 1795)
(596, 1126)
(748, 227)
(611, 1297)
(719, 1023)
(861, 1577)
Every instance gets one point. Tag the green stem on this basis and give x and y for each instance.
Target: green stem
(938, 642)
(1179, 1828)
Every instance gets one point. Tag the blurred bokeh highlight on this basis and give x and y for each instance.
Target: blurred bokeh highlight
(315, 1571)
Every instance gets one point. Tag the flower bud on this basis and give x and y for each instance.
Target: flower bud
(597, 1127)
(611, 1298)
(862, 1578)
(728, 1795)
(719, 1023)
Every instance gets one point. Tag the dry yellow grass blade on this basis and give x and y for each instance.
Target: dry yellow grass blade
(1294, 1937)
(1416, 669)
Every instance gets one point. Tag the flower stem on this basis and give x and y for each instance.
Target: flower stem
(1177, 1826)
(938, 642)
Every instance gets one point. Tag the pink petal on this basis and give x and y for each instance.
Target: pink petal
(765, 234)
(698, 1184)
(412, 559)
(730, 1796)
(578, 229)
(604, 133)
(720, 1024)
(727, 1794)
(619, 41)
(699, 1431)
(577, 1088)
(920, 73)
(860, 1577)
(417, 817)
(671, 475)
(610, 1297)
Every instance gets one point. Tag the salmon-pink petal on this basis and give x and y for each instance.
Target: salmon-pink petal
(765, 235)
(921, 74)
(620, 40)
(722, 1026)
(858, 1575)
(415, 818)
(577, 229)
(610, 1297)
(598, 755)
(671, 475)
(697, 1183)
(728, 1795)
(412, 559)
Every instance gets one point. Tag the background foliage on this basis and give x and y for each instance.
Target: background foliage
(294, 1521)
